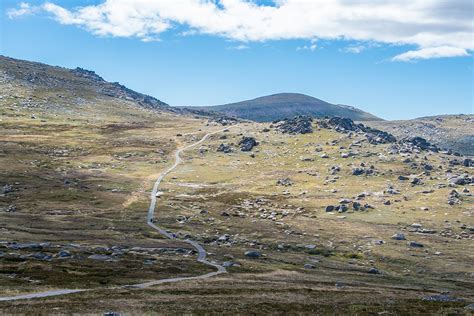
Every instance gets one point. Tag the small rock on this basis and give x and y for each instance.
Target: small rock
(100, 257)
(470, 307)
(41, 256)
(285, 182)
(7, 189)
(253, 254)
(330, 208)
(442, 298)
(399, 236)
(228, 264)
(373, 271)
(415, 244)
(226, 149)
(64, 254)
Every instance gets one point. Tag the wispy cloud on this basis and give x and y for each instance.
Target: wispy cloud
(432, 52)
(312, 46)
(22, 10)
(428, 25)
(354, 49)
(239, 47)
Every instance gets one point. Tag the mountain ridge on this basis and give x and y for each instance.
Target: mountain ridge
(79, 81)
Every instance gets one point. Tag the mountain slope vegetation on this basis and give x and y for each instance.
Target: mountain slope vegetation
(453, 132)
(309, 216)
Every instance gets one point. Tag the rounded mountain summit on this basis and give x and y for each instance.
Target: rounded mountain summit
(283, 105)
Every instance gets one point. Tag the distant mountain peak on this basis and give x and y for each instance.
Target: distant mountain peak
(283, 105)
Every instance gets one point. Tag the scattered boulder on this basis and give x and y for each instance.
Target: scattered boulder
(253, 254)
(309, 266)
(442, 298)
(468, 162)
(330, 208)
(247, 143)
(454, 198)
(399, 236)
(392, 191)
(229, 264)
(335, 169)
(7, 188)
(373, 271)
(286, 182)
(64, 254)
(225, 120)
(41, 256)
(21, 246)
(464, 179)
(11, 208)
(100, 257)
(342, 208)
(226, 149)
(415, 244)
(361, 171)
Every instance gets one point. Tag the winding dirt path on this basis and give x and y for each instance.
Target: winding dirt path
(202, 254)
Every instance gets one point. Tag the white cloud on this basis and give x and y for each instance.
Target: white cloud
(426, 24)
(23, 9)
(354, 49)
(432, 52)
(240, 47)
(312, 46)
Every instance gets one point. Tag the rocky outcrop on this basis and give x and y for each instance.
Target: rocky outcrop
(346, 125)
(419, 143)
(225, 120)
(297, 125)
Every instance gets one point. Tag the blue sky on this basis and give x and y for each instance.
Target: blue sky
(189, 63)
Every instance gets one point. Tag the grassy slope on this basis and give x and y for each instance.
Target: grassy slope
(83, 171)
(345, 247)
(81, 165)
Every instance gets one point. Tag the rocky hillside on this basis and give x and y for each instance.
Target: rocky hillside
(77, 83)
(452, 132)
(307, 215)
(285, 105)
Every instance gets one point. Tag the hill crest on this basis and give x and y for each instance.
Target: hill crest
(284, 105)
